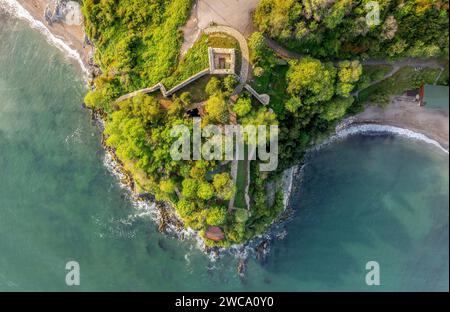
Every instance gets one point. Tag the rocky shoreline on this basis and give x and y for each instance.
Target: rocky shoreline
(78, 47)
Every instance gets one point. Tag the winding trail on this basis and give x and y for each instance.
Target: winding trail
(396, 65)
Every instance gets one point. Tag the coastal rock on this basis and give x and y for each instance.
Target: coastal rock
(262, 249)
(241, 268)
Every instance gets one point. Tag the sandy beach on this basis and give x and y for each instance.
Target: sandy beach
(73, 35)
(432, 122)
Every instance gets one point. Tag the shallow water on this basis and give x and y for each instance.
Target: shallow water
(436, 96)
(364, 198)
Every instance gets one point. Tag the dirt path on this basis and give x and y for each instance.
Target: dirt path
(396, 66)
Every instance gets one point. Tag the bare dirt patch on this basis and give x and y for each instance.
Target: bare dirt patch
(233, 13)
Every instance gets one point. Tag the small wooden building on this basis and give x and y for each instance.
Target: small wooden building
(214, 233)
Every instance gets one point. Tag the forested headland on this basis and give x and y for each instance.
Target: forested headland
(137, 45)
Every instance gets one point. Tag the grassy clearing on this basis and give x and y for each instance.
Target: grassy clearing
(196, 59)
(196, 89)
(405, 79)
(372, 73)
(274, 84)
(241, 181)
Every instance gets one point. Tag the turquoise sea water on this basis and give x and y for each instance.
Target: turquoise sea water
(436, 96)
(362, 199)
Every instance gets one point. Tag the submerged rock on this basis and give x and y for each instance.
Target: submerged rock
(262, 249)
(241, 268)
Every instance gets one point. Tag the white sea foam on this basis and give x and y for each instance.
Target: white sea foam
(16, 9)
(375, 129)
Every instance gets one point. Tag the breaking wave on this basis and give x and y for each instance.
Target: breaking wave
(375, 129)
(14, 8)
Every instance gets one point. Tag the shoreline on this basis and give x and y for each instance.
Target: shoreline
(432, 123)
(424, 122)
(401, 113)
(67, 38)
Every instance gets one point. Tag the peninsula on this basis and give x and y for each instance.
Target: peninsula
(161, 63)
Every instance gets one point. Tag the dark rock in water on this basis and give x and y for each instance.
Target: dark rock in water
(241, 268)
(261, 251)
(215, 253)
(267, 280)
(146, 196)
(148, 248)
(168, 218)
(162, 244)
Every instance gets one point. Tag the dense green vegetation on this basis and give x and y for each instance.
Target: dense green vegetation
(138, 129)
(338, 29)
(405, 79)
(308, 96)
(196, 59)
(137, 45)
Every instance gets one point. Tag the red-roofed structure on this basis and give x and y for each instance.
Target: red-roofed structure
(214, 233)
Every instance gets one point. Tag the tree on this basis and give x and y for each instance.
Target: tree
(186, 208)
(338, 29)
(230, 82)
(224, 186)
(214, 86)
(216, 216)
(293, 104)
(205, 191)
(257, 45)
(146, 107)
(311, 80)
(95, 99)
(262, 116)
(349, 73)
(189, 188)
(167, 186)
(242, 106)
(337, 108)
(186, 98)
(217, 108)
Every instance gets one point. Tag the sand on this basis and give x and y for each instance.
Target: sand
(73, 35)
(404, 113)
(233, 13)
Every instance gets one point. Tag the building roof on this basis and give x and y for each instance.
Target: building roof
(214, 233)
(221, 61)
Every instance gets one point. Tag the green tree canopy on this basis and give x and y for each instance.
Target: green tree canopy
(242, 106)
(311, 80)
